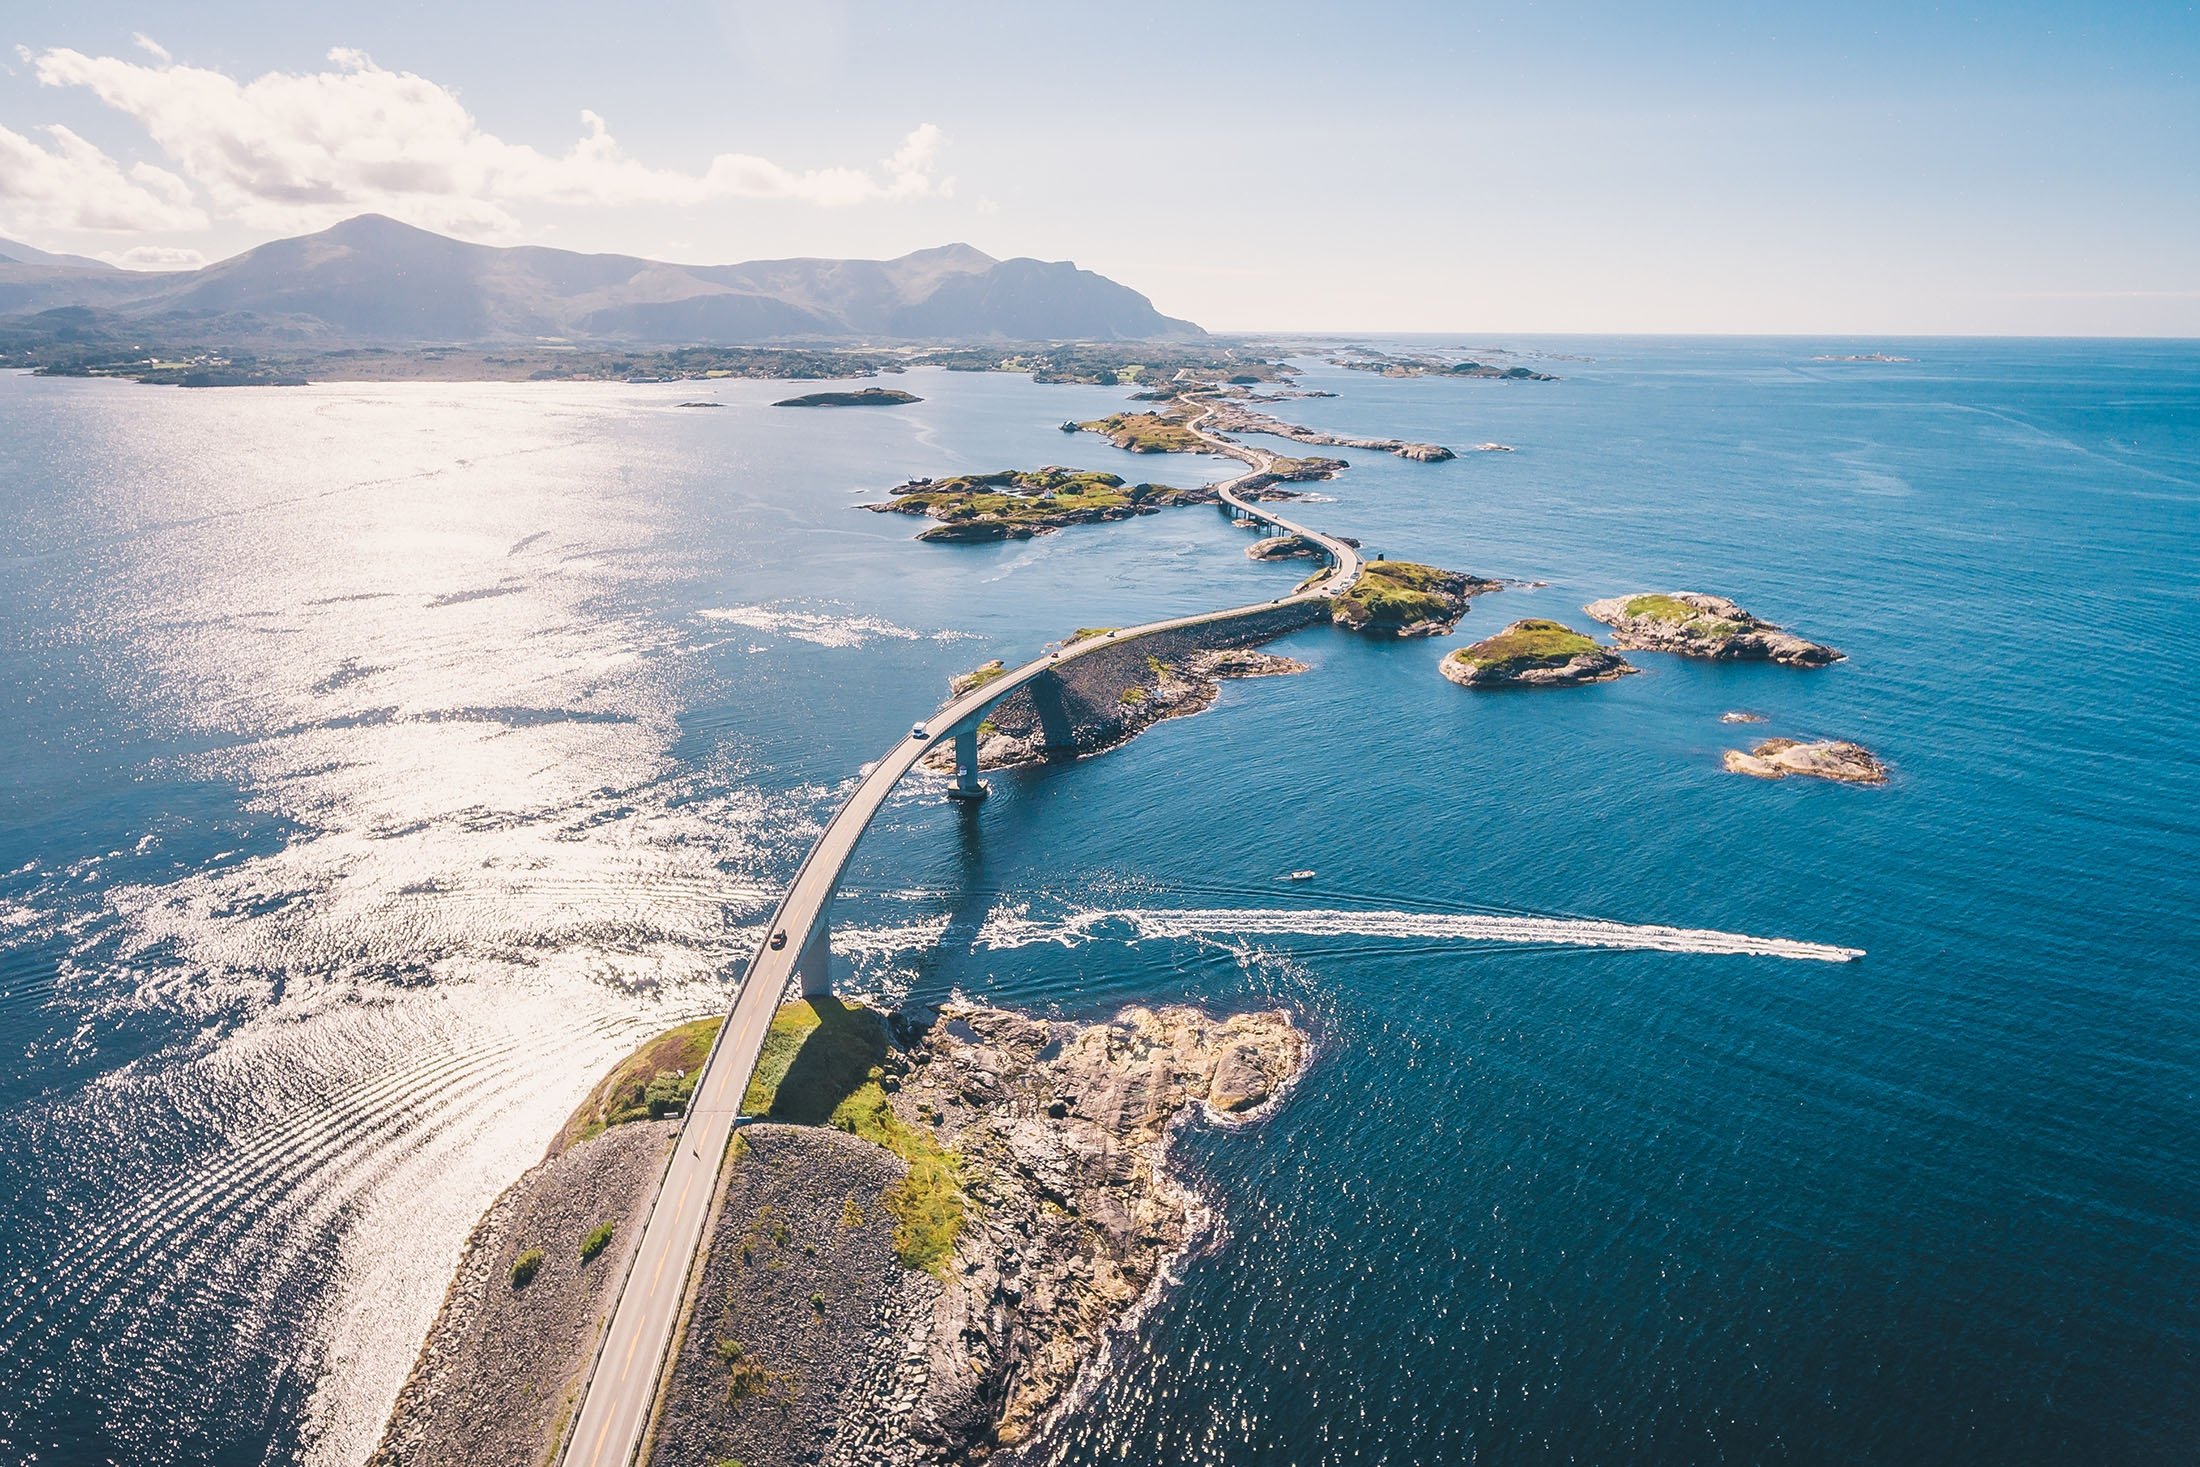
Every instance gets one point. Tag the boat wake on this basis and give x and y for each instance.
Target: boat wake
(1012, 927)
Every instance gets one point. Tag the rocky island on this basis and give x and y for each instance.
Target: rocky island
(1403, 599)
(1533, 654)
(1016, 504)
(1109, 697)
(1696, 625)
(916, 1254)
(863, 397)
(1835, 759)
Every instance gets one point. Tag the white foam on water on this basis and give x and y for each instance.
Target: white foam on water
(1012, 926)
(823, 628)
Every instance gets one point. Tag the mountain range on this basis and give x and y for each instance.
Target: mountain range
(374, 280)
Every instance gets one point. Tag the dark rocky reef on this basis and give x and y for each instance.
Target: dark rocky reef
(863, 397)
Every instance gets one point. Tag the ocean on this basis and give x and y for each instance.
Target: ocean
(385, 761)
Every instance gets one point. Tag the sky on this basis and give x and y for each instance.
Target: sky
(2027, 169)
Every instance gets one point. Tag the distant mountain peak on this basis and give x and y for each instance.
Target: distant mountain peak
(374, 278)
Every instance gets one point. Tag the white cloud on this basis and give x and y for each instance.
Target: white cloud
(155, 257)
(151, 47)
(288, 151)
(73, 185)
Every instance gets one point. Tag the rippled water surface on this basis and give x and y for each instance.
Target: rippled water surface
(382, 762)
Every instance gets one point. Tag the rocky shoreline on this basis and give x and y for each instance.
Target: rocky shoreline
(1694, 624)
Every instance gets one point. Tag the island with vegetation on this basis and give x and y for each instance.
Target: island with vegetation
(1835, 759)
(1533, 654)
(1181, 410)
(1385, 364)
(931, 1232)
(1696, 625)
(861, 397)
(1403, 599)
(1016, 504)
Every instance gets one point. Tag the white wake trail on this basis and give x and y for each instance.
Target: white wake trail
(1011, 927)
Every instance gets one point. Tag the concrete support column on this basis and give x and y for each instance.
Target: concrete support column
(815, 966)
(967, 785)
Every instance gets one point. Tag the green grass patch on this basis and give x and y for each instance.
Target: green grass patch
(816, 1053)
(1132, 696)
(525, 1267)
(1661, 608)
(1085, 634)
(652, 1082)
(1681, 614)
(820, 1065)
(599, 1238)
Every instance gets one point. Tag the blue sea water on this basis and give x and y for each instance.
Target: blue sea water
(383, 761)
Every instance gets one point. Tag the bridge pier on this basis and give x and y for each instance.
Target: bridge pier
(815, 965)
(967, 785)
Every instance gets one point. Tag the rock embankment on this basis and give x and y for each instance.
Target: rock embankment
(1533, 654)
(502, 1367)
(796, 1324)
(1694, 624)
(1835, 759)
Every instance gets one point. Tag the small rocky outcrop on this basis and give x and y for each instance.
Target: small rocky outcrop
(1694, 624)
(1741, 716)
(1835, 759)
(1533, 654)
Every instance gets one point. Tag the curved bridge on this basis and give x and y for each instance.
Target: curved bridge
(621, 1392)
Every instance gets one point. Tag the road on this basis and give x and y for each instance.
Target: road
(622, 1388)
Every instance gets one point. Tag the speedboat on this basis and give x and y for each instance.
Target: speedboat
(1300, 876)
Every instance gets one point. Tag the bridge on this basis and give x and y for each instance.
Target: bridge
(620, 1394)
